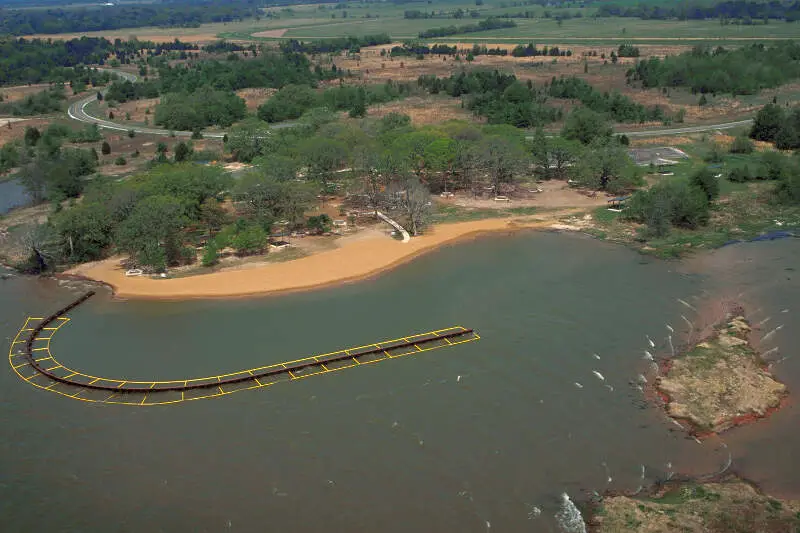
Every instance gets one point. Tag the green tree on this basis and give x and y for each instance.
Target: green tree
(9, 156)
(540, 151)
(210, 254)
(585, 125)
(85, 230)
(105, 149)
(320, 223)
(605, 165)
(359, 107)
(182, 152)
(151, 233)
(32, 136)
(323, 156)
(788, 136)
(250, 240)
(768, 121)
(288, 103)
(562, 155)
(741, 145)
(213, 215)
(705, 180)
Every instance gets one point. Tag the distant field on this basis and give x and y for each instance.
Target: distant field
(316, 22)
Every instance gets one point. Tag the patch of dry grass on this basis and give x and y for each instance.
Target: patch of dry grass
(720, 381)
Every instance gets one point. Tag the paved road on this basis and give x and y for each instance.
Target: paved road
(77, 111)
(688, 129)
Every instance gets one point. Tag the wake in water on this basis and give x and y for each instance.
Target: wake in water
(569, 518)
(771, 333)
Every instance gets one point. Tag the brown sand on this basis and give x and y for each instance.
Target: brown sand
(357, 258)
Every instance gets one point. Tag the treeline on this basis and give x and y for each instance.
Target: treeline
(776, 125)
(417, 49)
(198, 109)
(736, 9)
(270, 69)
(499, 97)
(45, 60)
(531, 51)
(81, 19)
(744, 70)
(618, 107)
(37, 60)
(416, 14)
(485, 25)
(293, 101)
(327, 46)
(48, 171)
(503, 99)
(177, 214)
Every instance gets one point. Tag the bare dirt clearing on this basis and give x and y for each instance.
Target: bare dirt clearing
(425, 110)
(17, 128)
(555, 194)
(255, 97)
(271, 33)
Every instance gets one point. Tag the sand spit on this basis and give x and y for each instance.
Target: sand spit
(355, 259)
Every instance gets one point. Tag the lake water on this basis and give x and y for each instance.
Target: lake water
(470, 438)
(12, 194)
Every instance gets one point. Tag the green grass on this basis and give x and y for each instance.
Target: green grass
(456, 213)
(363, 19)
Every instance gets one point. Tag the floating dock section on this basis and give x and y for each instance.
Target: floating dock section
(32, 360)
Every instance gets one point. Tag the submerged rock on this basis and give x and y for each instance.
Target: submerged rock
(721, 382)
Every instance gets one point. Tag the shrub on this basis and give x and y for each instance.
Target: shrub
(321, 223)
(669, 203)
(120, 161)
(105, 148)
(210, 254)
(740, 174)
(250, 240)
(742, 145)
(706, 180)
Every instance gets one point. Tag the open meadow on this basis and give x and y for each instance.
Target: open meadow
(547, 25)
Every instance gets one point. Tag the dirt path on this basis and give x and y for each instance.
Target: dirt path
(354, 259)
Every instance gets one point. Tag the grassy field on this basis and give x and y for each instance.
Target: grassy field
(322, 21)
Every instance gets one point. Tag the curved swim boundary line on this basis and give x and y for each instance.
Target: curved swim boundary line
(31, 359)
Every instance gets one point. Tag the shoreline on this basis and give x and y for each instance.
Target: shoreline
(353, 261)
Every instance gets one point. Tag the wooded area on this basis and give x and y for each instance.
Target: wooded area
(112, 17)
(740, 10)
(743, 70)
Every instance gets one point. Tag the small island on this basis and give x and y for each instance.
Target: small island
(730, 505)
(721, 382)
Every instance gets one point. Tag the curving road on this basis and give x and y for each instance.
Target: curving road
(77, 111)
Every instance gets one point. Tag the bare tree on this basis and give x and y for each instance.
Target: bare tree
(414, 201)
(41, 245)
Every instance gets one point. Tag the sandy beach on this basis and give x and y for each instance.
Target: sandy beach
(356, 259)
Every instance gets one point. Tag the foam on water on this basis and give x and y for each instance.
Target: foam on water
(569, 518)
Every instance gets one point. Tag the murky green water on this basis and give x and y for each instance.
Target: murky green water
(468, 438)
